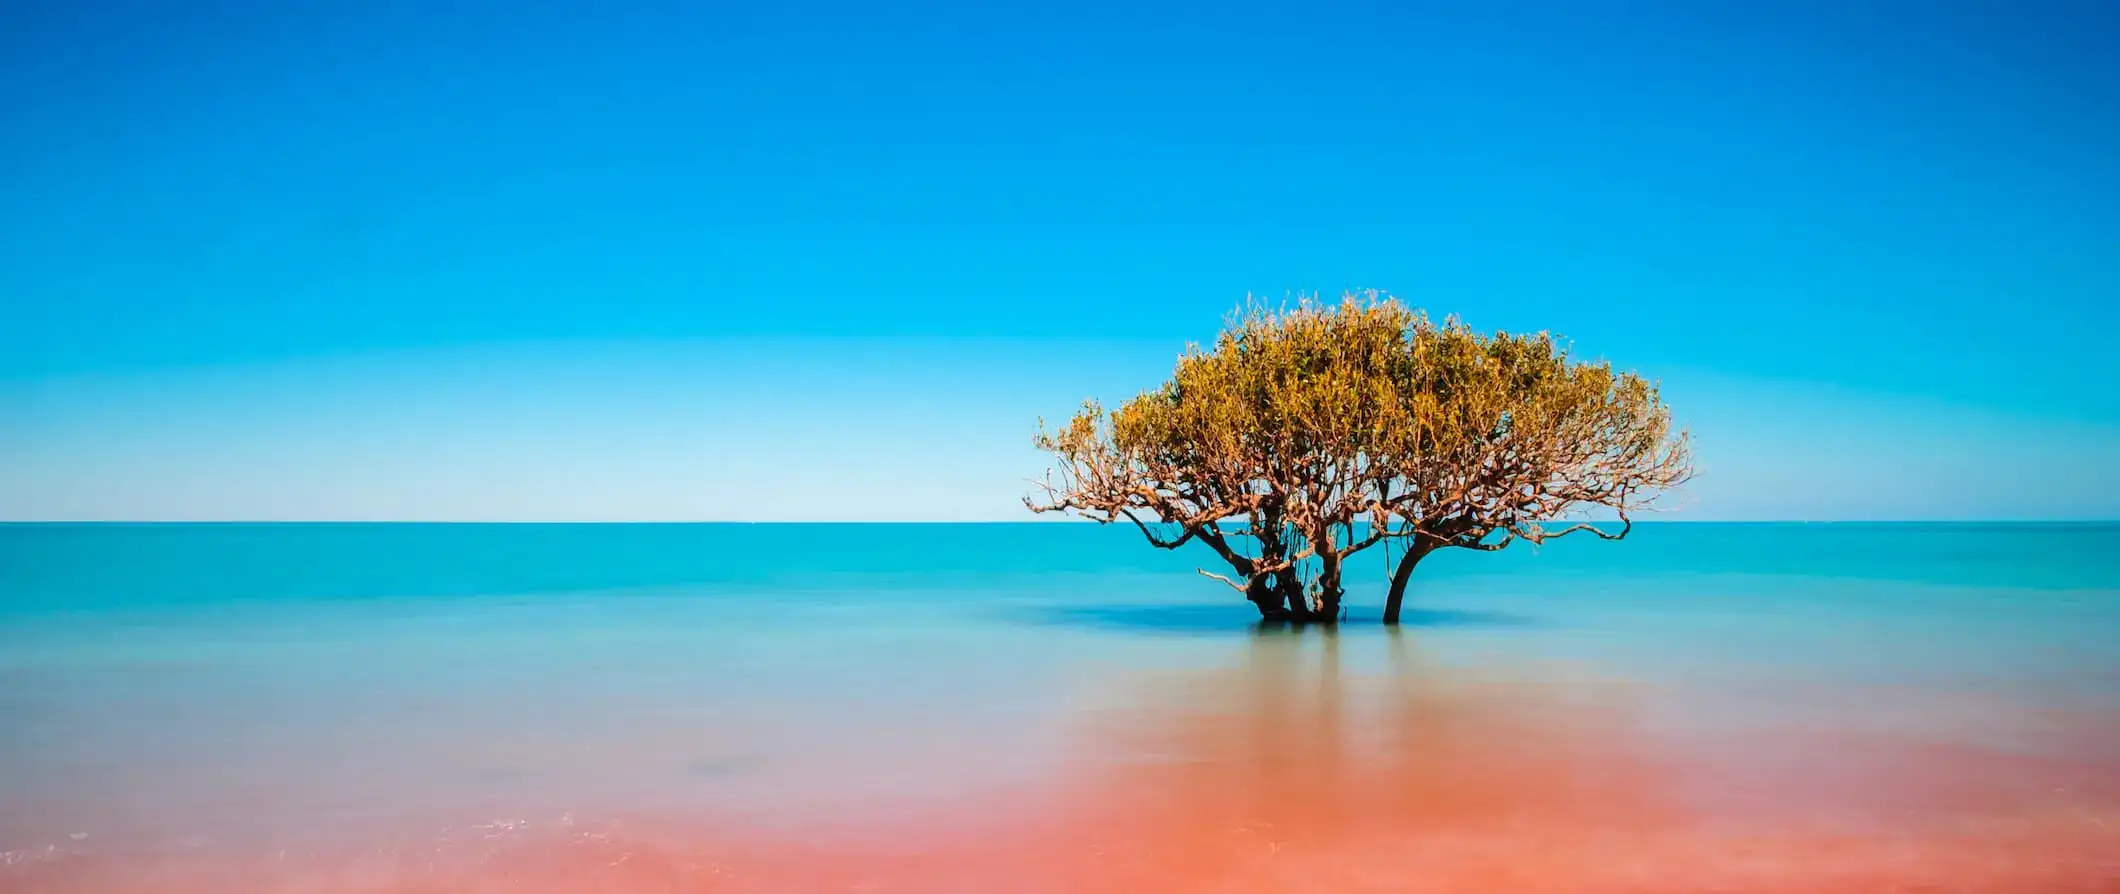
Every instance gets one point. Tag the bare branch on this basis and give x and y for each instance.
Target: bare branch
(1320, 431)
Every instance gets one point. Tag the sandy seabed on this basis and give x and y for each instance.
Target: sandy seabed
(1282, 776)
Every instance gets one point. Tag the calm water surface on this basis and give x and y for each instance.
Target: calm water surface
(179, 697)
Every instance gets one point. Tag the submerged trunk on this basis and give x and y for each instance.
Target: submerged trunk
(1288, 589)
(1397, 596)
(1279, 597)
(1327, 604)
(1264, 592)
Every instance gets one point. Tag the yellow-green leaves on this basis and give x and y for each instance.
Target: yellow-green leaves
(1368, 411)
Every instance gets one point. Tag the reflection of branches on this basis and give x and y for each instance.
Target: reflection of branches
(1290, 770)
(1305, 752)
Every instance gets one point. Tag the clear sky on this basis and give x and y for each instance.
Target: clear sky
(817, 259)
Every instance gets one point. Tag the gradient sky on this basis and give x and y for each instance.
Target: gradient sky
(817, 259)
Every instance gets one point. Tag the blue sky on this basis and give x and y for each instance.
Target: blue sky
(819, 260)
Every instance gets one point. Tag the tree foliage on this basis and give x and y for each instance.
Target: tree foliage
(1307, 435)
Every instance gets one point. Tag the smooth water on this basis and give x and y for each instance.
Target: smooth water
(253, 688)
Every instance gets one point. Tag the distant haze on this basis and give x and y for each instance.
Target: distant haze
(827, 261)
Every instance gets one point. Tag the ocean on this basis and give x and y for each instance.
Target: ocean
(1049, 706)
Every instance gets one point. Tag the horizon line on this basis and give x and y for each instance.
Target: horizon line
(1026, 522)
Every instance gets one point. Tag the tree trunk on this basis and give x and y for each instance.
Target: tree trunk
(1290, 589)
(1325, 603)
(1329, 605)
(1329, 592)
(1397, 597)
(1264, 592)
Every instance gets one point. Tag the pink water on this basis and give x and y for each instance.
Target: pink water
(1285, 771)
(398, 710)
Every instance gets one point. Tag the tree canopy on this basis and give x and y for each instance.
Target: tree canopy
(1309, 434)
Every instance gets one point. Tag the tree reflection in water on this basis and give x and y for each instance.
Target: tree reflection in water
(1320, 761)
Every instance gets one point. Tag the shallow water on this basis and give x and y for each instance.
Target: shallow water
(1049, 707)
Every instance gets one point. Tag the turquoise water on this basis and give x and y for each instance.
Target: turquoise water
(171, 684)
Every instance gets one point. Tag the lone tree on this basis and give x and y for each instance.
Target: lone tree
(1308, 435)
